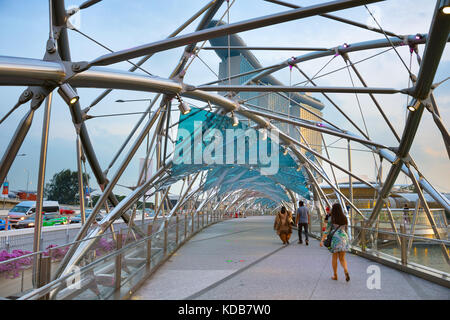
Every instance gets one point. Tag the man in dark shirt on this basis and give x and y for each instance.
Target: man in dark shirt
(302, 220)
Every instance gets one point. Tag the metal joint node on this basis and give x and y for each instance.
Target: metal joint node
(51, 45)
(407, 159)
(345, 56)
(26, 96)
(80, 66)
(188, 87)
(396, 161)
(77, 127)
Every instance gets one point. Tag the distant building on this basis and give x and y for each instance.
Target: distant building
(241, 61)
(366, 197)
(27, 195)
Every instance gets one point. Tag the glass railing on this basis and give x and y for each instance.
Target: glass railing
(413, 244)
(122, 255)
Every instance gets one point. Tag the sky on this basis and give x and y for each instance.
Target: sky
(125, 24)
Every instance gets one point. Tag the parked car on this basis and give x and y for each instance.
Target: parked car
(26, 222)
(3, 224)
(53, 219)
(66, 211)
(149, 212)
(26, 208)
(77, 218)
(48, 220)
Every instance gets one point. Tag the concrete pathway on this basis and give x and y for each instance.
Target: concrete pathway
(245, 259)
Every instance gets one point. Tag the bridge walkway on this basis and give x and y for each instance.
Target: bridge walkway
(244, 259)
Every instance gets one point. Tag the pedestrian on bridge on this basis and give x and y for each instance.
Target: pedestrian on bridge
(339, 242)
(302, 221)
(283, 225)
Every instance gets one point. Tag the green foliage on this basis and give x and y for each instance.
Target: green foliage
(120, 198)
(63, 187)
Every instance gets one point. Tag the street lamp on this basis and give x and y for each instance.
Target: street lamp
(28, 180)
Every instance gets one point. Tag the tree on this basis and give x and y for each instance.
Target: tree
(96, 197)
(63, 187)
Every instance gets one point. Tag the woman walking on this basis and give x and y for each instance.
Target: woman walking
(283, 225)
(339, 242)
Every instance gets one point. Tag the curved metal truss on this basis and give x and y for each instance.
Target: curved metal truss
(57, 71)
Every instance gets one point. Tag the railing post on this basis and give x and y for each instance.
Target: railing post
(166, 224)
(118, 265)
(207, 216)
(403, 245)
(149, 245)
(363, 236)
(321, 227)
(177, 228)
(185, 226)
(44, 273)
(198, 220)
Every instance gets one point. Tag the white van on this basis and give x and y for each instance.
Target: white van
(26, 208)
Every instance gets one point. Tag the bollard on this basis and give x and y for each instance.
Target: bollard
(363, 236)
(203, 220)
(177, 228)
(192, 225)
(118, 265)
(403, 245)
(149, 245)
(165, 236)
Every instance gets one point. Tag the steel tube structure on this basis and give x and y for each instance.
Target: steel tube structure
(40, 189)
(57, 69)
(433, 51)
(227, 29)
(255, 88)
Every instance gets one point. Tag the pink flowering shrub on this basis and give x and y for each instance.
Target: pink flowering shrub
(104, 246)
(11, 269)
(57, 254)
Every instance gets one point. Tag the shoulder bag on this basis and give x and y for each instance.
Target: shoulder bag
(327, 242)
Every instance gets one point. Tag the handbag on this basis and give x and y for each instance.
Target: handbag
(327, 242)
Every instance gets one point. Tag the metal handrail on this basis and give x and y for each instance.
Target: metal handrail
(446, 242)
(45, 289)
(48, 287)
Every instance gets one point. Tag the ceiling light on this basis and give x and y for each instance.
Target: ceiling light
(235, 119)
(263, 132)
(446, 10)
(413, 107)
(183, 107)
(68, 94)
